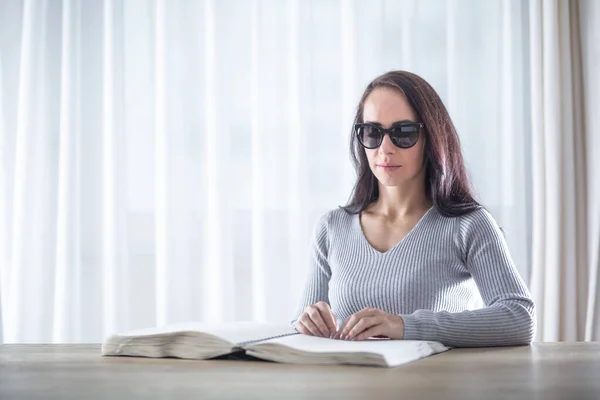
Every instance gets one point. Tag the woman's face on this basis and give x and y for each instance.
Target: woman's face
(393, 166)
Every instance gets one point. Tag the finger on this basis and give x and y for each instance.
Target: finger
(362, 325)
(338, 334)
(344, 327)
(367, 312)
(327, 316)
(374, 331)
(312, 328)
(301, 328)
(350, 322)
(315, 316)
(353, 320)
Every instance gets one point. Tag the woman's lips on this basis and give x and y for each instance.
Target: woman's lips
(388, 167)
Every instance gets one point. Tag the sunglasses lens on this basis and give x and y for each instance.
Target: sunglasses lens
(405, 136)
(369, 136)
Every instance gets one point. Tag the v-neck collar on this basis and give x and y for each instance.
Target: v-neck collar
(364, 239)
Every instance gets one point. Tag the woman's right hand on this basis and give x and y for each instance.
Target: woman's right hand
(317, 320)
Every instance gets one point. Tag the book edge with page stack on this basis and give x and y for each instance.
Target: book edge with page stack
(284, 345)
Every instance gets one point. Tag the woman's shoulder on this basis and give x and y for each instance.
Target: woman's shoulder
(334, 219)
(479, 224)
(329, 224)
(478, 219)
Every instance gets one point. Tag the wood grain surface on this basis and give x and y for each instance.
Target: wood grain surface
(541, 371)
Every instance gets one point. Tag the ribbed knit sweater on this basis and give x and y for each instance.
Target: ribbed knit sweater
(429, 278)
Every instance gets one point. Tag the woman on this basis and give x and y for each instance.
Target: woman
(406, 256)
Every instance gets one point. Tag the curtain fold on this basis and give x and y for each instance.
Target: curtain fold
(67, 259)
(3, 226)
(588, 13)
(166, 161)
(565, 198)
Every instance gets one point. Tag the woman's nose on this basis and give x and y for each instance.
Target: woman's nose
(387, 147)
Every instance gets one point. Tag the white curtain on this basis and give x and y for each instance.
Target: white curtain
(165, 161)
(589, 17)
(566, 152)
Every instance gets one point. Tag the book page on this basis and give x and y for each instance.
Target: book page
(233, 332)
(325, 345)
(324, 350)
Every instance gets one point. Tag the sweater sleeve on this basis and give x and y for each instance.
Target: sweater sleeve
(508, 318)
(316, 286)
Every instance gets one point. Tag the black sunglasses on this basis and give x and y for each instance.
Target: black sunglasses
(403, 134)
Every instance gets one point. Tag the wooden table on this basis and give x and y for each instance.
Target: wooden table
(541, 371)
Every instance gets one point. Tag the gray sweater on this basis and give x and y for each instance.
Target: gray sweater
(429, 278)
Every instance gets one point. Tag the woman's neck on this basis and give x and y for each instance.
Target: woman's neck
(401, 201)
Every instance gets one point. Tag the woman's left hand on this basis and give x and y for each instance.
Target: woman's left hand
(370, 322)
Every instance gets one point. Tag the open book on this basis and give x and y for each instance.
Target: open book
(270, 342)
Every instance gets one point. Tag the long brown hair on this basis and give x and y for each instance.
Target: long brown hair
(446, 180)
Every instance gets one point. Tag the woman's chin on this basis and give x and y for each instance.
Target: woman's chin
(390, 181)
(398, 178)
